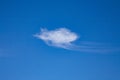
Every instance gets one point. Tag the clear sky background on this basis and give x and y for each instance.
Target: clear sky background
(24, 57)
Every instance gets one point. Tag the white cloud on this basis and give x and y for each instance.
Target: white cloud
(61, 37)
(64, 38)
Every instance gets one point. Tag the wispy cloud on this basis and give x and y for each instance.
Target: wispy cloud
(64, 38)
(61, 37)
(95, 47)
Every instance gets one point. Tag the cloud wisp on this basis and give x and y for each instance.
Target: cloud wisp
(64, 38)
(95, 47)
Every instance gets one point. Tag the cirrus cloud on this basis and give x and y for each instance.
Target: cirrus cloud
(64, 38)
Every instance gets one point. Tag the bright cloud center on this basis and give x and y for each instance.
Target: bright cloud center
(58, 36)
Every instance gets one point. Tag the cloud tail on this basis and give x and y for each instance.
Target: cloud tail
(94, 48)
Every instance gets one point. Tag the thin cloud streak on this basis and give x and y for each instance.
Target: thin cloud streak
(95, 48)
(64, 38)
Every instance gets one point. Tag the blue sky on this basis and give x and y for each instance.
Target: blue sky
(25, 57)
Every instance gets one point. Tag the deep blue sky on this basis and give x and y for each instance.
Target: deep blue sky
(23, 57)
